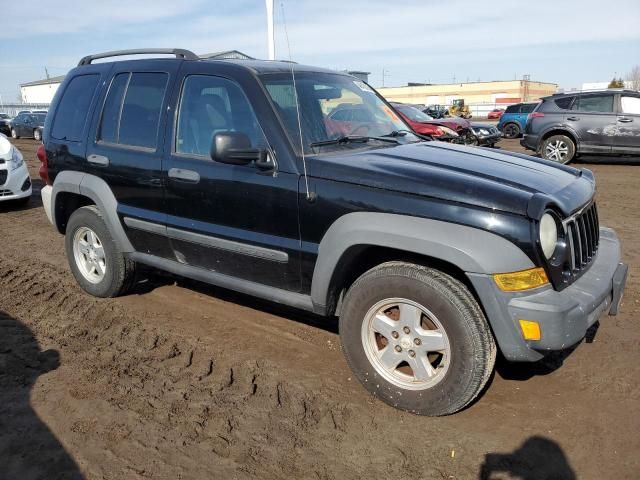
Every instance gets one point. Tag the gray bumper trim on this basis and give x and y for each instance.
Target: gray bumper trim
(565, 316)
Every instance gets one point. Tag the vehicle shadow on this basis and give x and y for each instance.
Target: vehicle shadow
(149, 279)
(28, 449)
(539, 458)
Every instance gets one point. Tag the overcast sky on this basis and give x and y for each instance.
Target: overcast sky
(562, 41)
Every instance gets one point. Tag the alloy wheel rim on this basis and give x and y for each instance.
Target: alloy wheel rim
(558, 151)
(406, 344)
(89, 255)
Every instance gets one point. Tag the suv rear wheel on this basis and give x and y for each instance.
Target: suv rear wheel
(416, 338)
(558, 148)
(96, 262)
(511, 130)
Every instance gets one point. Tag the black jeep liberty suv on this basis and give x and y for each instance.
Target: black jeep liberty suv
(233, 172)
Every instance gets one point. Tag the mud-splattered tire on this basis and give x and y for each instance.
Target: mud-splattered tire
(558, 148)
(416, 338)
(96, 262)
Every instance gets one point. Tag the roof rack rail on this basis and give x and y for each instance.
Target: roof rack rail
(178, 52)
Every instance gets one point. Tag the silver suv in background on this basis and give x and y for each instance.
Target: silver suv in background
(603, 122)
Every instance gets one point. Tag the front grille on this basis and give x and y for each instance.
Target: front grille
(583, 235)
(5, 193)
(3, 177)
(494, 131)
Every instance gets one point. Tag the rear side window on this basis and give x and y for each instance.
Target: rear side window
(594, 103)
(527, 107)
(511, 109)
(564, 103)
(631, 105)
(73, 109)
(131, 113)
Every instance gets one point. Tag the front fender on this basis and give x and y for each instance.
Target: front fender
(470, 249)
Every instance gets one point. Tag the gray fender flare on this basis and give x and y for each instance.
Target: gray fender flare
(97, 190)
(470, 249)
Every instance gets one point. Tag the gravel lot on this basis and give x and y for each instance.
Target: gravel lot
(184, 380)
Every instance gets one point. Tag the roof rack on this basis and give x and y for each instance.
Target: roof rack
(178, 52)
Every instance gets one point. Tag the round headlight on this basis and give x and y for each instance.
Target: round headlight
(548, 235)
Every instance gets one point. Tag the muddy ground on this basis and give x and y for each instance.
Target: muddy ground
(180, 380)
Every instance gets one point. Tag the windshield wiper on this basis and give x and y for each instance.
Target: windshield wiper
(352, 139)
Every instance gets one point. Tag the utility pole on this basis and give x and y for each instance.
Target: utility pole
(385, 73)
(525, 87)
(47, 72)
(270, 31)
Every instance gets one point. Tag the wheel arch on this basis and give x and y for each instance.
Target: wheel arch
(560, 131)
(73, 190)
(356, 243)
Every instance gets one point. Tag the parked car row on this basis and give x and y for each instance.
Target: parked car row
(448, 129)
(27, 123)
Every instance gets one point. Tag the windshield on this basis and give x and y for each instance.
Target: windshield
(413, 113)
(333, 106)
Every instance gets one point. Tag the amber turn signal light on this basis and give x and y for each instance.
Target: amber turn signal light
(530, 330)
(523, 280)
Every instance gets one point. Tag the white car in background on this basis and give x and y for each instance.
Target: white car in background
(15, 183)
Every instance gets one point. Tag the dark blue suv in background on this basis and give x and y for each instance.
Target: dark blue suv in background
(514, 119)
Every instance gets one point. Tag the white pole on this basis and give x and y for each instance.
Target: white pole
(270, 33)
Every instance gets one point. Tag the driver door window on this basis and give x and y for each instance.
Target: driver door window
(211, 105)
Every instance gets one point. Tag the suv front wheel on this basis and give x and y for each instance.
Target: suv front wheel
(97, 264)
(558, 148)
(416, 338)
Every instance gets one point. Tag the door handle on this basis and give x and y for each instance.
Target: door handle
(98, 160)
(625, 119)
(573, 119)
(184, 175)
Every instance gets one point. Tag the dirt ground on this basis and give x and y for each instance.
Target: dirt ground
(180, 380)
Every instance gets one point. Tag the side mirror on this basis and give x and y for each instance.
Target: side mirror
(234, 148)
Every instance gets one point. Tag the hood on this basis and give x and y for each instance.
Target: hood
(454, 123)
(509, 182)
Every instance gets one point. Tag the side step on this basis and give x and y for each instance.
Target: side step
(285, 297)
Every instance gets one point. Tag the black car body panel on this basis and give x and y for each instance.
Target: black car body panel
(264, 225)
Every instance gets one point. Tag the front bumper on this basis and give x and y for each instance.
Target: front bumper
(484, 140)
(565, 316)
(17, 184)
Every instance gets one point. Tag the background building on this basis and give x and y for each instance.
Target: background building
(481, 96)
(40, 91)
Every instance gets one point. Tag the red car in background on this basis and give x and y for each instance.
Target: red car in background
(451, 129)
(495, 114)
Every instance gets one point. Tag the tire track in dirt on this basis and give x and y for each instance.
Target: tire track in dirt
(182, 390)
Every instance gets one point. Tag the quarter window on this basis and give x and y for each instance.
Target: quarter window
(564, 103)
(73, 109)
(131, 113)
(211, 105)
(631, 105)
(594, 103)
(527, 108)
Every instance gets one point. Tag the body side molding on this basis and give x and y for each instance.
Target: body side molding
(285, 297)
